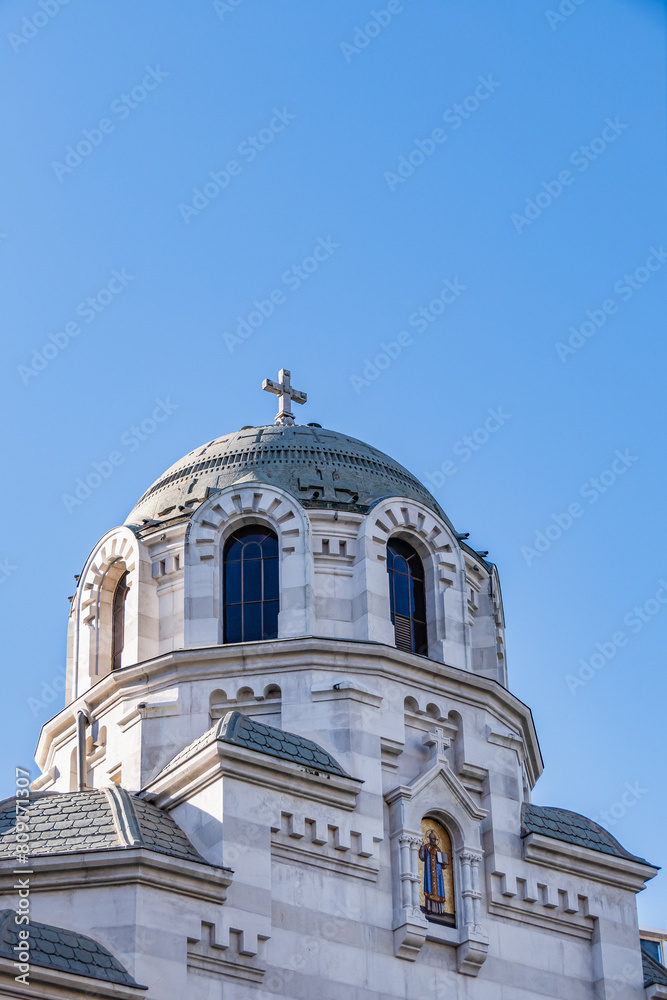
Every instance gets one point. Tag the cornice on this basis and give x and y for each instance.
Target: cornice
(123, 866)
(308, 653)
(583, 862)
(219, 759)
(52, 984)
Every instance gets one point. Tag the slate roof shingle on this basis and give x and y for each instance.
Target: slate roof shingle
(655, 974)
(94, 820)
(240, 730)
(67, 951)
(561, 824)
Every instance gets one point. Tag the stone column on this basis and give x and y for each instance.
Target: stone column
(476, 895)
(467, 892)
(472, 951)
(415, 843)
(410, 934)
(405, 873)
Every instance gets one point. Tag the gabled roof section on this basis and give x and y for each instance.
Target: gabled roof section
(242, 731)
(655, 974)
(561, 824)
(66, 951)
(99, 819)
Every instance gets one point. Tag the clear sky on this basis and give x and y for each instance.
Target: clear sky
(484, 184)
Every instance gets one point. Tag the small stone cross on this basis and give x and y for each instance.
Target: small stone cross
(436, 738)
(283, 389)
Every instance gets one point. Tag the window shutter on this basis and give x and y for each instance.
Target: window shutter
(403, 633)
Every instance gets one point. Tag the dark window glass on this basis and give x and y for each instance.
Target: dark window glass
(252, 580)
(233, 577)
(406, 595)
(652, 948)
(233, 626)
(252, 621)
(118, 621)
(271, 609)
(250, 583)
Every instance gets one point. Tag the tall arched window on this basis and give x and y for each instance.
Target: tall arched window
(406, 594)
(118, 621)
(251, 585)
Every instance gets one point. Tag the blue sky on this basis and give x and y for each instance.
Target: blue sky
(485, 183)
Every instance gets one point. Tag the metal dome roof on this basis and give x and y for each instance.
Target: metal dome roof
(319, 467)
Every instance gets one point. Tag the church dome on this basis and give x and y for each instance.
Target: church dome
(322, 468)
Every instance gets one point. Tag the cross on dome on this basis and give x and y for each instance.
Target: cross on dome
(283, 389)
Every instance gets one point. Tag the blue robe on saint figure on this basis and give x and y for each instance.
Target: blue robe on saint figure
(435, 862)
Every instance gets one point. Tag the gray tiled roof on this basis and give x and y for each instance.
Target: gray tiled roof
(241, 730)
(66, 951)
(561, 824)
(95, 820)
(654, 972)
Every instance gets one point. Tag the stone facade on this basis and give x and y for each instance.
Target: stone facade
(221, 858)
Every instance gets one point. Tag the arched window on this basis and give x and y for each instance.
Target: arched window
(118, 621)
(251, 585)
(406, 595)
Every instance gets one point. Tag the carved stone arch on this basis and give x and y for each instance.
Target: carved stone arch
(118, 552)
(411, 705)
(214, 521)
(218, 705)
(436, 544)
(245, 694)
(454, 728)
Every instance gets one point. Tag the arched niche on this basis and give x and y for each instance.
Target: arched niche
(436, 871)
(439, 796)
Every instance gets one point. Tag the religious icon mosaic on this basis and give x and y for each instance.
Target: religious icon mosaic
(436, 880)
